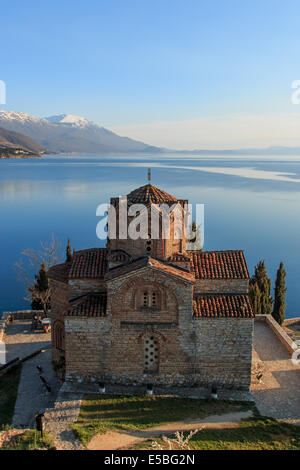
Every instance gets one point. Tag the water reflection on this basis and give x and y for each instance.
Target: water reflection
(251, 204)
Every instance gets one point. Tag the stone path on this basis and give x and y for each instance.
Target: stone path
(114, 440)
(32, 397)
(59, 418)
(278, 392)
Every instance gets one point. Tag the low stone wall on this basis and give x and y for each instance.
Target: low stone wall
(284, 338)
(17, 315)
(291, 321)
(24, 314)
(3, 323)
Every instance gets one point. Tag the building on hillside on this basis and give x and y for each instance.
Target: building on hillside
(151, 311)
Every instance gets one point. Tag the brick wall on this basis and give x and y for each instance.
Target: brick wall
(202, 351)
(59, 304)
(160, 247)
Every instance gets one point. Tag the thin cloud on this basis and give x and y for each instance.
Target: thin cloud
(220, 132)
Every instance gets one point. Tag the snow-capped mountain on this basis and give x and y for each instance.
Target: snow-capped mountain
(70, 120)
(66, 133)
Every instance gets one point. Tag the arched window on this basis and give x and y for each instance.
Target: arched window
(151, 355)
(58, 335)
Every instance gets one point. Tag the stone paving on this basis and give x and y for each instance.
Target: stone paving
(20, 340)
(277, 394)
(59, 418)
(32, 397)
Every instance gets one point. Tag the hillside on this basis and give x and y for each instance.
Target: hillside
(70, 134)
(10, 140)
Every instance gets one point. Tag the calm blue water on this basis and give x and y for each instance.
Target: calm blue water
(260, 214)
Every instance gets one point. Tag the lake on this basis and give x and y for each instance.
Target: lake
(251, 203)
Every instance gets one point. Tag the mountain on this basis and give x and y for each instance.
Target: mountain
(271, 151)
(66, 133)
(70, 120)
(10, 139)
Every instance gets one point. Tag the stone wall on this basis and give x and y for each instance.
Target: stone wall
(87, 348)
(221, 286)
(224, 351)
(59, 305)
(202, 351)
(159, 247)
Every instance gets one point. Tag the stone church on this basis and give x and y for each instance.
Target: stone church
(152, 311)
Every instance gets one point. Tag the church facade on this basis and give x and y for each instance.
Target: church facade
(152, 311)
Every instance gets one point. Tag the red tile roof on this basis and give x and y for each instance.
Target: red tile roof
(222, 305)
(90, 263)
(150, 194)
(59, 272)
(229, 264)
(89, 305)
(152, 262)
(180, 257)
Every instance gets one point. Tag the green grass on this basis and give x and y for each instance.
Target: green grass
(252, 434)
(98, 414)
(31, 440)
(8, 393)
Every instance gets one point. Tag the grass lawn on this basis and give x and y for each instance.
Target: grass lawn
(101, 413)
(252, 434)
(8, 393)
(30, 440)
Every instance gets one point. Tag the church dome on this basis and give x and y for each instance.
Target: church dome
(150, 194)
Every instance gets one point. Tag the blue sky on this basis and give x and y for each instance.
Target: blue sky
(127, 64)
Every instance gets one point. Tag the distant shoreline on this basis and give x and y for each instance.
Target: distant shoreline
(17, 153)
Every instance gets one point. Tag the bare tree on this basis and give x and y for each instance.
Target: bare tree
(38, 261)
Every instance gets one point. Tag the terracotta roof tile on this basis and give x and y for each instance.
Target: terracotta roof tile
(150, 194)
(229, 264)
(179, 257)
(152, 262)
(89, 305)
(222, 305)
(59, 272)
(90, 263)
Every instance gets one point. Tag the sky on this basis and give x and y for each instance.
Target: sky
(180, 74)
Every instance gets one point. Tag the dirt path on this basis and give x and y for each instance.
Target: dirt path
(114, 440)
